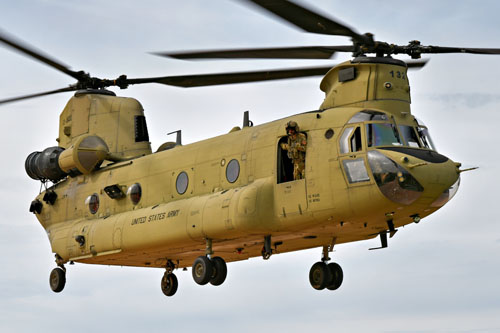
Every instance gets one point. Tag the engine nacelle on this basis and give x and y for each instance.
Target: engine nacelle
(55, 163)
(45, 165)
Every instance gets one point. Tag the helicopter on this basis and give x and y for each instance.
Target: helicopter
(297, 211)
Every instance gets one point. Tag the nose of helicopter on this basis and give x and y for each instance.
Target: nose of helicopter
(406, 175)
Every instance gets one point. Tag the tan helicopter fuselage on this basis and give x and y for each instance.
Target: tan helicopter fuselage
(238, 190)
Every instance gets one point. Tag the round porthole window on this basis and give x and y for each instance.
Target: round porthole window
(329, 133)
(134, 192)
(182, 182)
(232, 171)
(92, 202)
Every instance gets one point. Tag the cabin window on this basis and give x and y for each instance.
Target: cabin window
(134, 192)
(382, 134)
(182, 182)
(92, 202)
(232, 170)
(410, 136)
(356, 170)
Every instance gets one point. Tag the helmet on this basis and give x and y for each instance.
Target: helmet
(292, 125)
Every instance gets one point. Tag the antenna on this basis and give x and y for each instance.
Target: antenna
(246, 119)
(178, 139)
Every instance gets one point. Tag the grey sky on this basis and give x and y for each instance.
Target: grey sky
(440, 275)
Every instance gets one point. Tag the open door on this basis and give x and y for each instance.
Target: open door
(290, 195)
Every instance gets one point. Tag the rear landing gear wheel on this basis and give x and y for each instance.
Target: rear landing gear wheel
(337, 276)
(320, 276)
(169, 284)
(219, 271)
(57, 279)
(203, 270)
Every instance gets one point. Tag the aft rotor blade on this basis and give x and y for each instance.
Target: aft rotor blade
(201, 80)
(309, 20)
(19, 98)
(30, 51)
(300, 52)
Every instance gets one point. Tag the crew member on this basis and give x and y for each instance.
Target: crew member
(296, 148)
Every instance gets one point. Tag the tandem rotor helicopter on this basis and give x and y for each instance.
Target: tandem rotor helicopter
(357, 168)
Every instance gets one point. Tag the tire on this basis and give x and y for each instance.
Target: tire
(169, 284)
(219, 271)
(319, 276)
(337, 276)
(202, 270)
(57, 279)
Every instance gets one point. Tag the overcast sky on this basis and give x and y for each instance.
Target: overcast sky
(441, 275)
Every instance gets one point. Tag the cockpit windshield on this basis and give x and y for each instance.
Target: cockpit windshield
(382, 131)
(382, 134)
(424, 135)
(410, 136)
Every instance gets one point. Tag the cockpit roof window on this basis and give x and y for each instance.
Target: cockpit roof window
(368, 115)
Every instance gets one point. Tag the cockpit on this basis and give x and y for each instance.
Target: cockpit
(375, 134)
(383, 131)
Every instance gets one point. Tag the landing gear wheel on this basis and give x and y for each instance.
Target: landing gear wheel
(169, 284)
(337, 276)
(320, 276)
(202, 270)
(219, 271)
(57, 279)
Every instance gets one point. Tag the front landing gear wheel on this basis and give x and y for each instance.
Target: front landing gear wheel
(203, 270)
(219, 271)
(337, 276)
(169, 284)
(320, 276)
(57, 279)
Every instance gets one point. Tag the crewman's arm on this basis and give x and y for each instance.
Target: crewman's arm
(302, 144)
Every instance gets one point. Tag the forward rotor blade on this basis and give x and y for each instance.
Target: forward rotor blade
(30, 51)
(309, 20)
(444, 49)
(9, 100)
(417, 64)
(188, 81)
(300, 52)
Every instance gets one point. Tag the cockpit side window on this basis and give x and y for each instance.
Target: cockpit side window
(424, 135)
(350, 140)
(356, 140)
(344, 140)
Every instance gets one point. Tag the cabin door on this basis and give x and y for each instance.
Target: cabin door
(290, 196)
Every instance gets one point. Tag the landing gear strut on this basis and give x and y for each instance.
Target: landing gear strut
(326, 275)
(57, 278)
(207, 269)
(169, 281)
